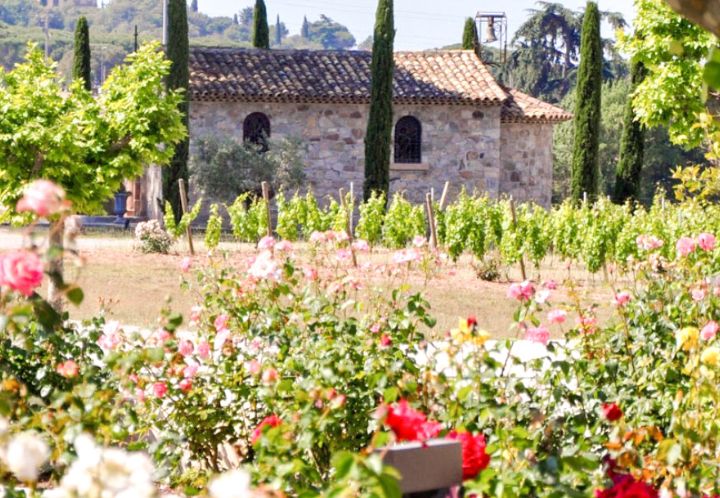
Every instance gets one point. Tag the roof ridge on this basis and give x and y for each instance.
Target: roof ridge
(327, 50)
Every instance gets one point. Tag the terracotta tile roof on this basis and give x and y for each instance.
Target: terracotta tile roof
(434, 77)
(522, 108)
(326, 76)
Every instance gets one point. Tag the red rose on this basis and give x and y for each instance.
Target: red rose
(269, 421)
(612, 411)
(473, 453)
(625, 486)
(409, 424)
(472, 322)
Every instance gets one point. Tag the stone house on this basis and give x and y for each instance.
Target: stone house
(454, 122)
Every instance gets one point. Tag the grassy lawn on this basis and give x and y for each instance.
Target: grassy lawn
(133, 287)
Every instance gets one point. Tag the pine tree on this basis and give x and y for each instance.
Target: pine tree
(632, 147)
(305, 30)
(585, 168)
(194, 5)
(179, 77)
(278, 31)
(379, 128)
(81, 62)
(261, 31)
(470, 35)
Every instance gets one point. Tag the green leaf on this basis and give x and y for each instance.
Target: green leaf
(75, 295)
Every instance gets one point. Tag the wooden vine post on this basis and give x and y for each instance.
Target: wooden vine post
(184, 204)
(266, 197)
(348, 221)
(431, 221)
(514, 221)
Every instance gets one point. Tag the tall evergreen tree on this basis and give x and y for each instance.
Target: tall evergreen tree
(178, 53)
(278, 31)
(194, 5)
(470, 39)
(632, 146)
(261, 31)
(585, 168)
(81, 62)
(305, 30)
(379, 128)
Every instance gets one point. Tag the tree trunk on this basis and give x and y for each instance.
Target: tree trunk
(55, 265)
(705, 13)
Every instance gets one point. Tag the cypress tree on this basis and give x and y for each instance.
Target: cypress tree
(261, 31)
(236, 21)
(194, 5)
(470, 35)
(585, 170)
(305, 30)
(379, 128)
(179, 78)
(278, 31)
(81, 61)
(632, 146)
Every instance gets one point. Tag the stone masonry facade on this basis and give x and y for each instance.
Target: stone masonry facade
(459, 144)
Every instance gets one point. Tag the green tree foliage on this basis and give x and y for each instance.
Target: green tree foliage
(659, 159)
(82, 62)
(673, 50)
(546, 52)
(632, 144)
(587, 107)
(470, 35)
(87, 145)
(330, 34)
(178, 51)
(223, 168)
(305, 30)
(261, 31)
(379, 128)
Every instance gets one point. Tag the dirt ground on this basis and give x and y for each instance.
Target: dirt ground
(133, 287)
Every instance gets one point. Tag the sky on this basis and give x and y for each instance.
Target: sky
(420, 24)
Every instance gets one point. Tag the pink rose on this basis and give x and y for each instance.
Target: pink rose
(21, 271)
(265, 268)
(385, 340)
(649, 242)
(317, 237)
(406, 256)
(284, 246)
(195, 314)
(698, 294)
(621, 299)
(542, 296)
(538, 334)
(419, 241)
(361, 245)
(266, 243)
(204, 350)
(43, 198)
(221, 322)
(270, 376)
(190, 370)
(685, 246)
(706, 241)
(557, 316)
(343, 254)
(709, 331)
(186, 348)
(588, 323)
(310, 273)
(522, 292)
(254, 367)
(551, 284)
(68, 369)
(185, 264)
(160, 389)
(185, 385)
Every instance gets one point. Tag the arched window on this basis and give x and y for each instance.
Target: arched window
(408, 141)
(256, 130)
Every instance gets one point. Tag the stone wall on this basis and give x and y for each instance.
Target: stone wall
(459, 144)
(527, 162)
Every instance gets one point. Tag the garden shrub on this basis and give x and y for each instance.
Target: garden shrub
(151, 238)
(248, 217)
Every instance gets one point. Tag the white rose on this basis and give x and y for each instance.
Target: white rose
(233, 484)
(26, 453)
